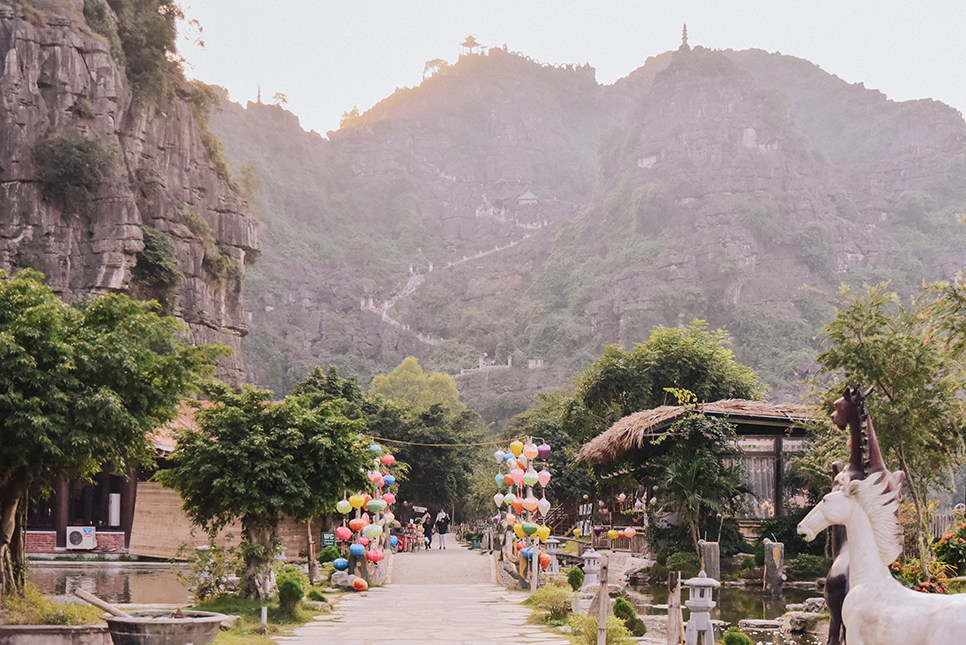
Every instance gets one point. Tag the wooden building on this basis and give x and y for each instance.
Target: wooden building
(768, 435)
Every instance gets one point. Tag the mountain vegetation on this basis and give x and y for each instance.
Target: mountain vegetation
(524, 212)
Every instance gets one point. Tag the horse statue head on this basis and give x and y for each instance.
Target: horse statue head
(851, 411)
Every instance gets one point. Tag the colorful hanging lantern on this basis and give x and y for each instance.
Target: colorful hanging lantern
(359, 584)
(376, 505)
(522, 462)
(372, 531)
(531, 503)
(511, 519)
(375, 447)
(393, 541)
(498, 478)
(511, 462)
(389, 480)
(357, 523)
(530, 477)
(598, 530)
(507, 479)
(517, 505)
(357, 550)
(543, 533)
(389, 497)
(543, 451)
(366, 497)
(364, 541)
(507, 457)
(508, 499)
(517, 476)
(340, 564)
(521, 546)
(388, 460)
(530, 451)
(374, 555)
(380, 483)
(516, 448)
(576, 533)
(356, 501)
(343, 533)
(390, 517)
(543, 477)
(374, 476)
(496, 519)
(543, 506)
(629, 532)
(343, 506)
(621, 498)
(545, 560)
(499, 455)
(612, 534)
(518, 529)
(530, 528)
(498, 500)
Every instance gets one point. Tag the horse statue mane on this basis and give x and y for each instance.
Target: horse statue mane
(879, 498)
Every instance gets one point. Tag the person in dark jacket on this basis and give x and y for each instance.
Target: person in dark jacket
(442, 527)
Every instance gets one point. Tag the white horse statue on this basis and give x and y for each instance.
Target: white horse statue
(878, 610)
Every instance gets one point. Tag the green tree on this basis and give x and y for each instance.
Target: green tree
(621, 382)
(409, 384)
(148, 31)
(904, 354)
(257, 461)
(79, 389)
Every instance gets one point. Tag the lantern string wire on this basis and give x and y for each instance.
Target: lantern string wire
(443, 445)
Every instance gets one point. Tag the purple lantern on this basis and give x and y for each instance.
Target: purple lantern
(598, 530)
(543, 451)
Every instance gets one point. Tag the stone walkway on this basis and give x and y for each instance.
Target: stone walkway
(435, 596)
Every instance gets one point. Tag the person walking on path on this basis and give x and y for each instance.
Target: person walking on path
(428, 529)
(442, 527)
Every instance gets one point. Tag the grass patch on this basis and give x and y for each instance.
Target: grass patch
(33, 608)
(249, 630)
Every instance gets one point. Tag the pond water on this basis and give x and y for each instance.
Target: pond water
(121, 582)
(734, 604)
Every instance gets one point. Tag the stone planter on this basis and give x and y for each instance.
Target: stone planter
(54, 635)
(153, 627)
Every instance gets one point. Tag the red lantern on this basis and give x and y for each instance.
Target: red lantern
(359, 584)
(544, 560)
(343, 533)
(521, 545)
(364, 541)
(390, 498)
(374, 555)
(357, 523)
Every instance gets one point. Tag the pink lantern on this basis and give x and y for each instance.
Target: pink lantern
(517, 476)
(390, 498)
(521, 545)
(530, 451)
(380, 483)
(374, 555)
(364, 541)
(543, 477)
(621, 498)
(388, 460)
(343, 533)
(629, 532)
(375, 476)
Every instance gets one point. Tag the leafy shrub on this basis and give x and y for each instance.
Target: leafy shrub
(292, 584)
(197, 225)
(689, 564)
(220, 265)
(554, 599)
(748, 562)
(148, 31)
(951, 548)
(157, 268)
(784, 529)
(99, 20)
(628, 615)
(329, 554)
(315, 595)
(805, 565)
(584, 629)
(70, 169)
(33, 608)
(212, 571)
(216, 153)
(82, 108)
(575, 577)
(733, 636)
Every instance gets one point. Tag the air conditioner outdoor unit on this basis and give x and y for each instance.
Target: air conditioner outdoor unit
(81, 537)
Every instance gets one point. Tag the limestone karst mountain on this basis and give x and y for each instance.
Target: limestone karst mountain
(524, 211)
(109, 180)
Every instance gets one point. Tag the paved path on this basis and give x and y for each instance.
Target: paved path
(433, 596)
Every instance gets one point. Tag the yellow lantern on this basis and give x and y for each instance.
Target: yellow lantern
(356, 501)
(612, 534)
(543, 533)
(516, 448)
(518, 529)
(576, 533)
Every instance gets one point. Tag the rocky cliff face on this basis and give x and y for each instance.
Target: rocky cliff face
(60, 85)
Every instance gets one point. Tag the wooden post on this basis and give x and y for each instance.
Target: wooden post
(774, 563)
(710, 559)
(313, 563)
(675, 617)
(603, 603)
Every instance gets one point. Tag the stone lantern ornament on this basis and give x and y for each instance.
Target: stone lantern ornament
(700, 604)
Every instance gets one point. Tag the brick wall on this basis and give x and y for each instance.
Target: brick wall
(40, 541)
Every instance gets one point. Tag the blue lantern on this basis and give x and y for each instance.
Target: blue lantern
(499, 480)
(357, 550)
(340, 564)
(388, 480)
(375, 448)
(393, 541)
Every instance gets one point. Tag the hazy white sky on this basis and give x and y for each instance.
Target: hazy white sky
(328, 56)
